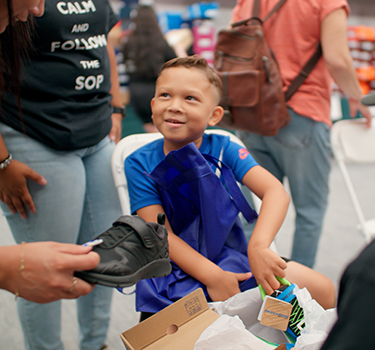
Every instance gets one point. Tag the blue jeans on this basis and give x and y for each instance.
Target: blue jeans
(78, 203)
(301, 152)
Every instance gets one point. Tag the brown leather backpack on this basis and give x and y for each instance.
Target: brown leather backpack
(253, 97)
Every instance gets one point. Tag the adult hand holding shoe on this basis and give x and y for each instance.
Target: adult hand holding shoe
(42, 272)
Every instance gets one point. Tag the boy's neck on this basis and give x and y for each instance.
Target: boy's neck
(169, 146)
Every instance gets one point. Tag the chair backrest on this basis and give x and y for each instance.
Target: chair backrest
(129, 144)
(124, 148)
(352, 142)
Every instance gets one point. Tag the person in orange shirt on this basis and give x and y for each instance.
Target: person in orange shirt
(301, 151)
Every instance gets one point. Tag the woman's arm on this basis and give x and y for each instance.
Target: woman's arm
(42, 272)
(115, 133)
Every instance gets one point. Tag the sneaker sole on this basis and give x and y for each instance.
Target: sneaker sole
(159, 268)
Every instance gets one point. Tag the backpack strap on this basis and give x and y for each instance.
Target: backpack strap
(255, 13)
(225, 100)
(256, 9)
(299, 79)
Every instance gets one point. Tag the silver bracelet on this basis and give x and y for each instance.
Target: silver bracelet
(6, 162)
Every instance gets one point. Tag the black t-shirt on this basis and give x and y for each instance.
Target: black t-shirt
(356, 306)
(66, 83)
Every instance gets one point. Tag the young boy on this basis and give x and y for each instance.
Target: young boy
(185, 103)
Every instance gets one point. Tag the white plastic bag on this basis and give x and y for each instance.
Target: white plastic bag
(246, 306)
(228, 333)
(318, 322)
(238, 323)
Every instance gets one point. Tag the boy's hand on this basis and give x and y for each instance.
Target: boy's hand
(265, 265)
(225, 285)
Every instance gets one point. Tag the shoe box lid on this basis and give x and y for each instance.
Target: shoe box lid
(178, 326)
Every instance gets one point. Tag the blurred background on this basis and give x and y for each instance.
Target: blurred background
(204, 19)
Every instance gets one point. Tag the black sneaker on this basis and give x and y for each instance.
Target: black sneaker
(132, 249)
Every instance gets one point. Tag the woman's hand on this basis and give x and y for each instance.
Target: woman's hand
(13, 187)
(115, 133)
(48, 268)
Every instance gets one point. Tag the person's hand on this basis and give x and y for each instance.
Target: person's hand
(48, 271)
(225, 285)
(265, 264)
(13, 187)
(115, 133)
(355, 106)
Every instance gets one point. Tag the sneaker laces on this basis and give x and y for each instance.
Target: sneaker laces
(111, 237)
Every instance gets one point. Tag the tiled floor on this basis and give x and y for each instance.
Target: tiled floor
(339, 244)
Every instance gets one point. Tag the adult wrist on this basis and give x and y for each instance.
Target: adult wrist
(21, 267)
(5, 162)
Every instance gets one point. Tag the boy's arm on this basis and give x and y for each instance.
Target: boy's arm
(266, 264)
(220, 284)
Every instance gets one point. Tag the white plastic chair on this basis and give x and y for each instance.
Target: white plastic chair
(130, 143)
(353, 142)
(124, 148)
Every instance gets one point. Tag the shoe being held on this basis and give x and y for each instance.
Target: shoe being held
(131, 250)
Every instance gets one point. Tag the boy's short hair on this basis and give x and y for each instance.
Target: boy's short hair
(197, 62)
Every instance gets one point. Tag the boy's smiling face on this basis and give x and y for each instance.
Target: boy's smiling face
(185, 103)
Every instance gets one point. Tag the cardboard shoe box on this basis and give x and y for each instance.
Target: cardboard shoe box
(178, 326)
